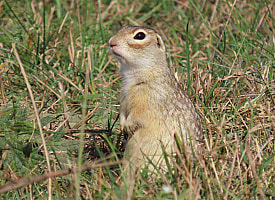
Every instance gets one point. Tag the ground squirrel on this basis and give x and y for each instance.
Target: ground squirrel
(153, 106)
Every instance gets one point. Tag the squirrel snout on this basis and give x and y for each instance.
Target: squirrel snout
(112, 43)
(114, 47)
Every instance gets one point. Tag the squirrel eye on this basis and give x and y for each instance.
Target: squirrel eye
(139, 36)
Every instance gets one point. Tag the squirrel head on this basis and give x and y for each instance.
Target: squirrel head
(138, 48)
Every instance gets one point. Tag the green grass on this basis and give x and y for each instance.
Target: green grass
(223, 55)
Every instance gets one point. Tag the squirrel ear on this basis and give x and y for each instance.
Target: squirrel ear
(160, 43)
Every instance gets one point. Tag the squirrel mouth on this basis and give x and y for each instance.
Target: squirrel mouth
(114, 50)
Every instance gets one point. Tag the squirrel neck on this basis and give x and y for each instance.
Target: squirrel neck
(138, 75)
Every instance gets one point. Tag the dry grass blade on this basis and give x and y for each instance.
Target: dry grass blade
(1, 84)
(36, 115)
(254, 172)
(30, 180)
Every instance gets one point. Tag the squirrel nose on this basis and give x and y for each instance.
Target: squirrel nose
(112, 42)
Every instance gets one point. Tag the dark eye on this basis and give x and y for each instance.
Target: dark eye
(139, 36)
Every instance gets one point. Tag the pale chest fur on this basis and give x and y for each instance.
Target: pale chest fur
(136, 107)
